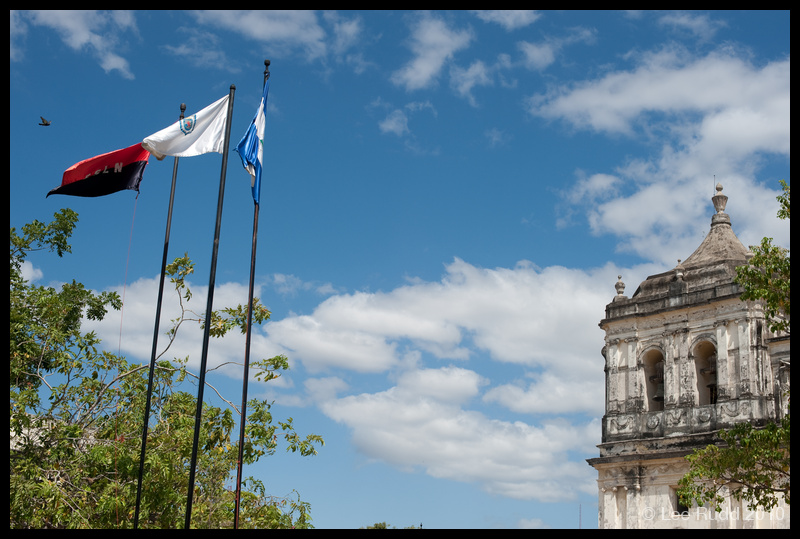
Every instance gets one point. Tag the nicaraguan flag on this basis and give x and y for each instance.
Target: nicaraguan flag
(197, 134)
(251, 147)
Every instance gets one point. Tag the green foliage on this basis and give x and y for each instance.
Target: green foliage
(38, 236)
(753, 464)
(384, 526)
(221, 321)
(44, 324)
(767, 277)
(76, 414)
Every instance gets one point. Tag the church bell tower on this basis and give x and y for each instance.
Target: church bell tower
(684, 357)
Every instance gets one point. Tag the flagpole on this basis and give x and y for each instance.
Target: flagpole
(155, 337)
(209, 306)
(247, 345)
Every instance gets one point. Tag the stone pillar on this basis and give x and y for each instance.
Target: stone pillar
(723, 365)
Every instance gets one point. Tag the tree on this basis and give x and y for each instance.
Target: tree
(752, 463)
(384, 526)
(45, 323)
(76, 414)
(767, 277)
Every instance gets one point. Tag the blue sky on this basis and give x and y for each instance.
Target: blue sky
(447, 201)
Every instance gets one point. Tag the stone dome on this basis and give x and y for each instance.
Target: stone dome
(713, 263)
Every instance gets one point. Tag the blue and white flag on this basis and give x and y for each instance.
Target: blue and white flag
(251, 147)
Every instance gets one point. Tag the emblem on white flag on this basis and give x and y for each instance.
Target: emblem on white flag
(187, 124)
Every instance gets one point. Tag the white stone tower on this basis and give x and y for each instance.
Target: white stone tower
(684, 357)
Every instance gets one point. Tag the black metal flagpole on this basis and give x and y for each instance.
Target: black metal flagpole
(243, 419)
(155, 337)
(209, 306)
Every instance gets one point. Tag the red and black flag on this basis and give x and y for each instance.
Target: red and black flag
(105, 174)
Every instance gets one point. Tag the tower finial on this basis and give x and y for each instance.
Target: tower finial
(719, 200)
(620, 286)
(679, 271)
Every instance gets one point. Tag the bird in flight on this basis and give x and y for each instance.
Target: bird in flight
(44, 122)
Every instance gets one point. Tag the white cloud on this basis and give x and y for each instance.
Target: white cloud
(137, 319)
(463, 80)
(414, 426)
(531, 524)
(552, 393)
(29, 272)
(396, 122)
(449, 384)
(597, 186)
(416, 106)
(96, 31)
(523, 316)
(290, 285)
(668, 82)
(538, 55)
(496, 137)
(346, 32)
(322, 346)
(347, 37)
(287, 284)
(290, 31)
(201, 49)
(17, 31)
(283, 29)
(714, 115)
(700, 26)
(324, 389)
(510, 19)
(432, 43)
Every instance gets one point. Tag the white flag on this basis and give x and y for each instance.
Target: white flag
(197, 134)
